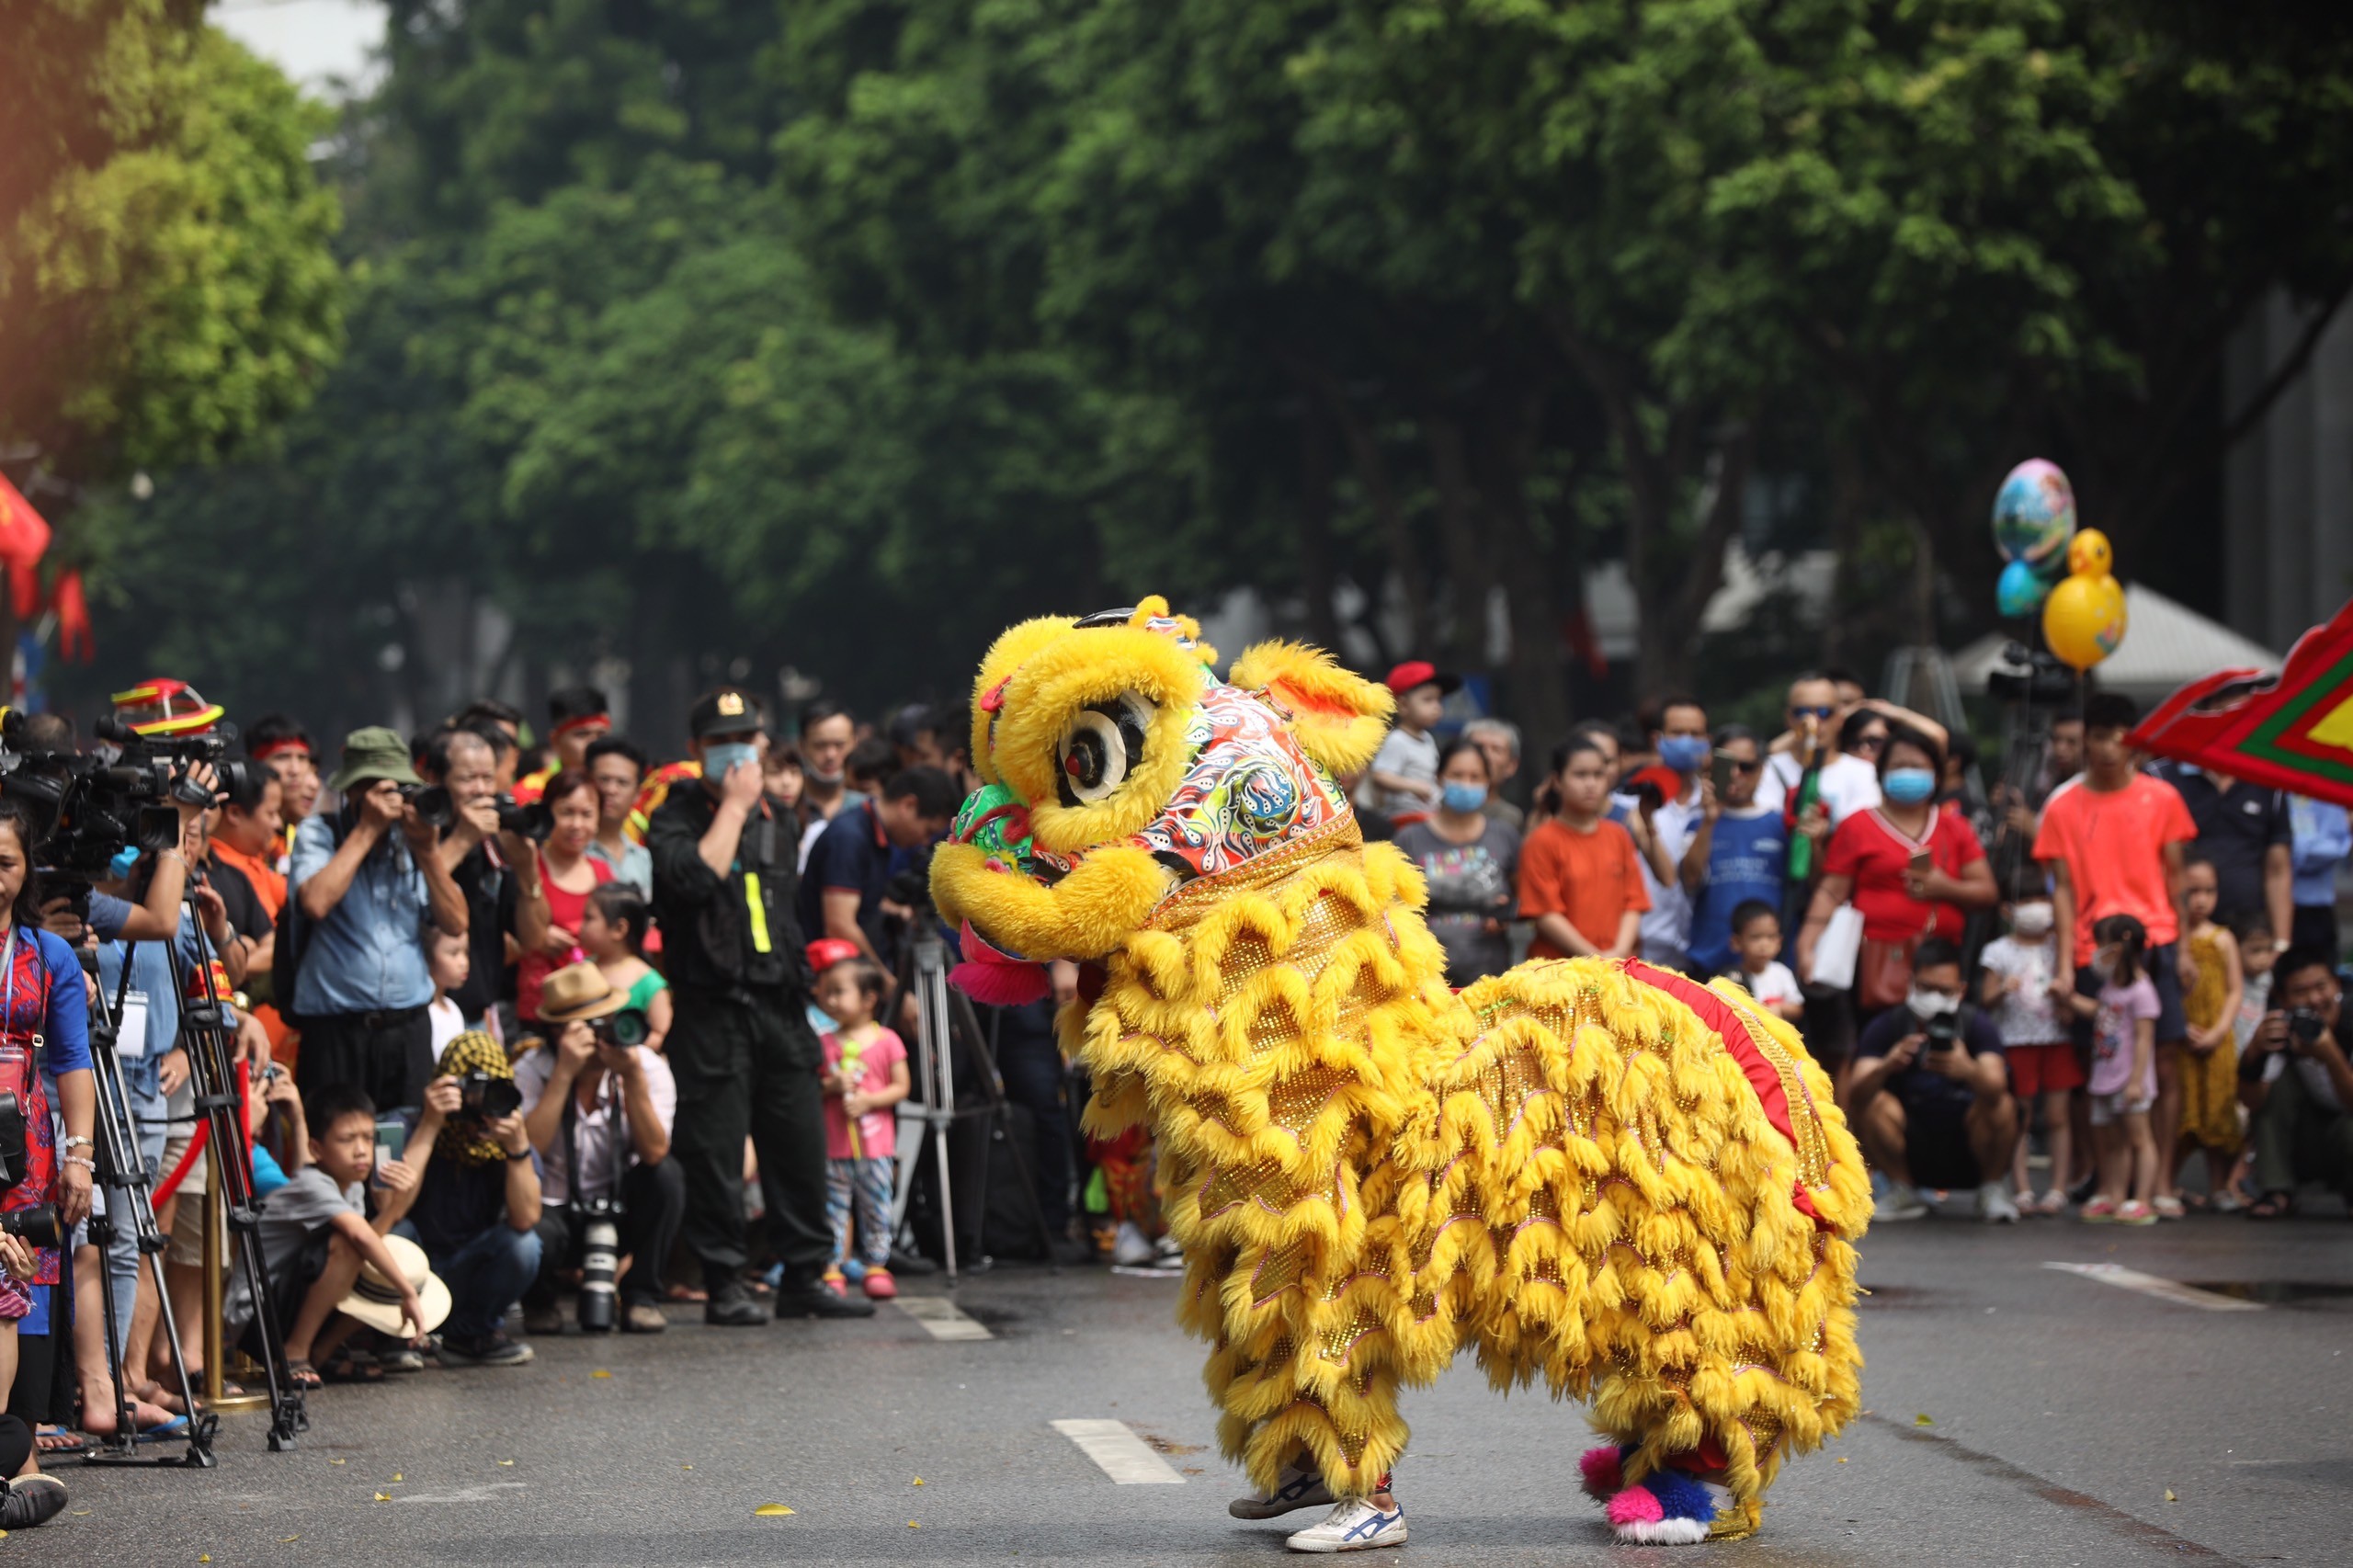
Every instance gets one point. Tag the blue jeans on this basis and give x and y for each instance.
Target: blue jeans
(486, 1276)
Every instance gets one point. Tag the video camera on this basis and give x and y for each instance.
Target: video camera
(84, 811)
(2032, 676)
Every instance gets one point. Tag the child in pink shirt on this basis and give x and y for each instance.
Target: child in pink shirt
(865, 1075)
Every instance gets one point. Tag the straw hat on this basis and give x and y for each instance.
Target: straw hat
(376, 1301)
(579, 992)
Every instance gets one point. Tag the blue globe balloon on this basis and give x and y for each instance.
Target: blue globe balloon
(2034, 514)
(2020, 590)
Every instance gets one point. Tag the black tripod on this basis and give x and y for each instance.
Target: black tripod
(122, 1174)
(940, 1011)
(210, 1037)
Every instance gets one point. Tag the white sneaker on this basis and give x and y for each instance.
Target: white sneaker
(1994, 1205)
(1354, 1524)
(1294, 1489)
(1898, 1203)
(1167, 1254)
(1131, 1248)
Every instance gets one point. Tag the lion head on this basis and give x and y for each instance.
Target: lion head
(1119, 771)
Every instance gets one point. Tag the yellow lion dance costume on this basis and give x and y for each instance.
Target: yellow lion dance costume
(1632, 1185)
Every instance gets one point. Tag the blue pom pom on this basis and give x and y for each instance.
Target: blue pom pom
(1681, 1498)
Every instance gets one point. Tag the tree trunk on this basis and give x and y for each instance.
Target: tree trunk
(1540, 687)
(1671, 607)
(1317, 582)
(1380, 492)
(1461, 522)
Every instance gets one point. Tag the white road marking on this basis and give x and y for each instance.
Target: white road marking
(940, 1318)
(487, 1492)
(2163, 1289)
(1119, 1452)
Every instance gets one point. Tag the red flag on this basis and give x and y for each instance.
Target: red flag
(23, 589)
(24, 533)
(73, 639)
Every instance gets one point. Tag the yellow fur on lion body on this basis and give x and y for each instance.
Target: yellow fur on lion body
(1562, 1167)
(1676, 1162)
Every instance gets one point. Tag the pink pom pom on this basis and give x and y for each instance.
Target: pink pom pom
(1602, 1472)
(1635, 1505)
(1002, 985)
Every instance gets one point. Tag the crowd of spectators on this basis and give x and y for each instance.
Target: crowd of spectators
(2127, 991)
(524, 1020)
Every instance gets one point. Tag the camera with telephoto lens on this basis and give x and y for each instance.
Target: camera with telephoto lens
(85, 810)
(434, 807)
(1943, 1032)
(600, 1261)
(2306, 1025)
(625, 1028)
(36, 1226)
(2033, 677)
(487, 1095)
(535, 821)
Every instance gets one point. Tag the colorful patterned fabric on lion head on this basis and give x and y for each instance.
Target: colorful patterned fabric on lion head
(1123, 776)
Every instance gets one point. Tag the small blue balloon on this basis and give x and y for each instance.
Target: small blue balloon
(2020, 590)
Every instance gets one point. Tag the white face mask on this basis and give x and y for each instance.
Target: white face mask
(2032, 919)
(1926, 1005)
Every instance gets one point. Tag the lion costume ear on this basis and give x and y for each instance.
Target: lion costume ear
(1337, 716)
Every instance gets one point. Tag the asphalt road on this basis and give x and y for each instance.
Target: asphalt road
(2068, 1420)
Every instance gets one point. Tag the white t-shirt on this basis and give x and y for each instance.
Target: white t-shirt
(1666, 924)
(599, 1131)
(1848, 784)
(2027, 1016)
(1776, 983)
(448, 1022)
(1406, 755)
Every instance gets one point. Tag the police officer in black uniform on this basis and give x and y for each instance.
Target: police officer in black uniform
(741, 1048)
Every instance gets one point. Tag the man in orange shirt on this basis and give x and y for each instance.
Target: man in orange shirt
(2112, 838)
(1579, 879)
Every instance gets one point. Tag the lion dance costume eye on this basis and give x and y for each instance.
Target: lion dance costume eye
(1629, 1183)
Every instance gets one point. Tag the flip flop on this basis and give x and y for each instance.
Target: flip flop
(303, 1375)
(53, 1441)
(350, 1367)
(163, 1432)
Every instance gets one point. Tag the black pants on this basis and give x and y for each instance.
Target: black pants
(392, 1061)
(653, 1200)
(1031, 1065)
(750, 1066)
(2315, 926)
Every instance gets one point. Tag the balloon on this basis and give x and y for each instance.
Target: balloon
(2089, 555)
(2084, 620)
(2034, 513)
(2021, 589)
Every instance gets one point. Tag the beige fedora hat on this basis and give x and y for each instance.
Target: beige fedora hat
(376, 1301)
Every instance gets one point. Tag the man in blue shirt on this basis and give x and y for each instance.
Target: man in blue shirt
(850, 870)
(1738, 852)
(363, 880)
(2321, 840)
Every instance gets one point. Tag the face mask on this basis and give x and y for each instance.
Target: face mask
(2032, 919)
(1908, 786)
(718, 757)
(1685, 753)
(827, 781)
(1465, 798)
(1926, 1005)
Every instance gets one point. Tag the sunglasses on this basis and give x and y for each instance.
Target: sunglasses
(1870, 743)
(1739, 767)
(1823, 711)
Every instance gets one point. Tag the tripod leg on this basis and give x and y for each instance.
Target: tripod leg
(1001, 1113)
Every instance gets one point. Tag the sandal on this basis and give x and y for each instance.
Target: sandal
(2272, 1206)
(2136, 1212)
(2053, 1202)
(352, 1366)
(2099, 1211)
(2167, 1207)
(303, 1375)
(53, 1441)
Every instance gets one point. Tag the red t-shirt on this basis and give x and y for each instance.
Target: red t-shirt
(2113, 843)
(564, 909)
(1876, 853)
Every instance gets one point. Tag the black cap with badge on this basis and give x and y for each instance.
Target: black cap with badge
(727, 712)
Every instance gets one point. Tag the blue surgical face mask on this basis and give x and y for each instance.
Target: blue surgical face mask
(1685, 753)
(1464, 798)
(1908, 786)
(718, 757)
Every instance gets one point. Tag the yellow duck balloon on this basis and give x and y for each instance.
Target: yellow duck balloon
(2083, 617)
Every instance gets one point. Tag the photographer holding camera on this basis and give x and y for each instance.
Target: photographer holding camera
(363, 880)
(1932, 1094)
(495, 869)
(599, 1107)
(2296, 1079)
(477, 1208)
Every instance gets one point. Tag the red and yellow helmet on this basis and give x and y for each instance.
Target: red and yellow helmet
(166, 707)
